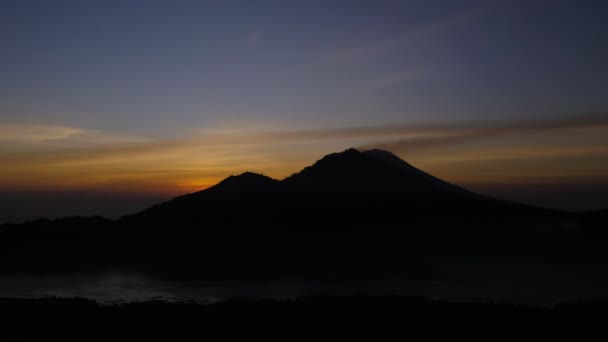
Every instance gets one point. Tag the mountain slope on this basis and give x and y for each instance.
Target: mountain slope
(339, 181)
(392, 159)
(341, 190)
(353, 171)
(350, 213)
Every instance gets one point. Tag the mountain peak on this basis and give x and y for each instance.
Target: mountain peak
(355, 171)
(346, 154)
(247, 181)
(369, 176)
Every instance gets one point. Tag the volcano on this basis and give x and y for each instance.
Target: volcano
(350, 212)
(344, 188)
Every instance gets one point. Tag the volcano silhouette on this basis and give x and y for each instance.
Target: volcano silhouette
(350, 212)
(370, 171)
(374, 186)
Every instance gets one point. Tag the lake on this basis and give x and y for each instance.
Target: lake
(521, 284)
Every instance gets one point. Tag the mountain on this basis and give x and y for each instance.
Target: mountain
(339, 182)
(245, 182)
(352, 171)
(389, 158)
(597, 217)
(370, 187)
(352, 212)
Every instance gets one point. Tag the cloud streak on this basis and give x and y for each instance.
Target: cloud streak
(19, 133)
(255, 38)
(458, 133)
(58, 134)
(391, 44)
(398, 137)
(64, 157)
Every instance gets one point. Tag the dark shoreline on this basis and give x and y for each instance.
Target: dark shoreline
(308, 317)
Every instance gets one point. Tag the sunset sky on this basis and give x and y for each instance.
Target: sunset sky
(138, 100)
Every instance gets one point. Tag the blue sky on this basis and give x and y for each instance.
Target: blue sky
(159, 67)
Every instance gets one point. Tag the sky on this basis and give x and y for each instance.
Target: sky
(108, 106)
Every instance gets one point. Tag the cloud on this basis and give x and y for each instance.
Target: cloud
(59, 135)
(64, 157)
(19, 133)
(385, 81)
(396, 137)
(529, 152)
(254, 38)
(390, 44)
(458, 133)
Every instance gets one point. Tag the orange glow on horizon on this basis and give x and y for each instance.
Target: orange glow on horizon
(70, 159)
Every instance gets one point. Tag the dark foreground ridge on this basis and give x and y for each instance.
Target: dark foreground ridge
(340, 318)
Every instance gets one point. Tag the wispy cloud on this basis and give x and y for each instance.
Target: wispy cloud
(458, 133)
(58, 134)
(397, 137)
(63, 156)
(389, 80)
(254, 38)
(19, 133)
(391, 44)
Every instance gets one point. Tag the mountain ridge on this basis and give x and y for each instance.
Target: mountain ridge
(333, 166)
(376, 184)
(350, 213)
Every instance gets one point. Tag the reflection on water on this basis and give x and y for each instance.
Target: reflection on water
(107, 287)
(104, 287)
(120, 286)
